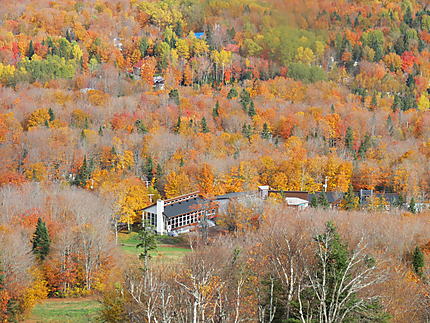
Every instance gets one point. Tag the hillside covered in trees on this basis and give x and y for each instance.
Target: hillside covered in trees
(106, 106)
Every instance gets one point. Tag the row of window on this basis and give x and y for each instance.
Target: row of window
(187, 219)
(151, 218)
(179, 221)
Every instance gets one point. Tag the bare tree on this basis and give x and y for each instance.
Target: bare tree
(335, 280)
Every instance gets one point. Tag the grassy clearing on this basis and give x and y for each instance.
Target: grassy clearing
(67, 310)
(169, 248)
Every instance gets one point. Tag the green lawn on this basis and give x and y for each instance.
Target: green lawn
(65, 311)
(169, 248)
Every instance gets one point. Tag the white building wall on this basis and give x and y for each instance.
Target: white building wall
(160, 217)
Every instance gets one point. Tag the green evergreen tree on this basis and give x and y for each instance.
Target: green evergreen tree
(400, 46)
(356, 22)
(2, 276)
(332, 109)
(397, 103)
(231, 33)
(84, 172)
(408, 101)
(364, 146)
(421, 45)
(418, 261)
(143, 46)
(349, 138)
(41, 241)
(357, 53)
(265, 133)
(148, 168)
(251, 109)
(410, 81)
(314, 201)
(30, 51)
(407, 17)
(245, 99)
(204, 125)
(159, 170)
(247, 131)
(232, 93)
(147, 241)
(334, 282)
(399, 202)
(412, 207)
(322, 200)
(374, 102)
(215, 110)
(178, 29)
(177, 127)
(390, 126)
(51, 115)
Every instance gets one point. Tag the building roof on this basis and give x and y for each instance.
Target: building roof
(231, 195)
(295, 201)
(182, 204)
(186, 206)
(199, 35)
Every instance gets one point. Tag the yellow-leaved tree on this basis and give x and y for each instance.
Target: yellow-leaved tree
(423, 103)
(177, 184)
(37, 118)
(133, 196)
(206, 179)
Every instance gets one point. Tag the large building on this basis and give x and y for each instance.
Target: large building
(179, 213)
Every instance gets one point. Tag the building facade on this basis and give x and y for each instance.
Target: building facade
(179, 213)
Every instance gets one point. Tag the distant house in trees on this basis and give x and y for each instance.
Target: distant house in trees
(158, 83)
(297, 202)
(179, 214)
(135, 74)
(296, 199)
(333, 198)
(86, 90)
(199, 35)
(117, 43)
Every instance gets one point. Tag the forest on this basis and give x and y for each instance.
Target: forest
(107, 106)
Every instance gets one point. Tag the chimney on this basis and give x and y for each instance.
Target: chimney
(160, 217)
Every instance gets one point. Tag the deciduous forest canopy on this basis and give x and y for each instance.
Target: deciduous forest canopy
(107, 106)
